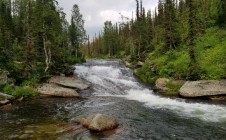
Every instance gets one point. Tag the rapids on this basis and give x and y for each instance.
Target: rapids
(142, 113)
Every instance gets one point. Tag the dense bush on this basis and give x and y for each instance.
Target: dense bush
(145, 74)
(210, 50)
(174, 63)
(211, 54)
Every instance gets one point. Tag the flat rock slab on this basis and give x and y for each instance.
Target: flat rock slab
(203, 88)
(99, 122)
(58, 91)
(5, 102)
(70, 82)
(6, 96)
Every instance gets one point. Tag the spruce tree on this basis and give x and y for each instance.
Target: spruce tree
(222, 13)
(193, 67)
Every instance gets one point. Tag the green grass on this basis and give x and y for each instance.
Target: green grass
(18, 91)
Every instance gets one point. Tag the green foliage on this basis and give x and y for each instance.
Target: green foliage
(146, 75)
(211, 52)
(24, 92)
(122, 54)
(35, 39)
(18, 91)
(8, 89)
(174, 87)
(172, 64)
(32, 81)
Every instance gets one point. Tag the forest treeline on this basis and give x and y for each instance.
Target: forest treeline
(36, 40)
(183, 39)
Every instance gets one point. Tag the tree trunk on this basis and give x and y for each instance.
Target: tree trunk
(46, 51)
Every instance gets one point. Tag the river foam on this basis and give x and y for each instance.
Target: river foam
(109, 78)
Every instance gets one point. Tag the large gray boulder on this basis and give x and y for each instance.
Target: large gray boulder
(203, 88)
(58, 91)
(69, 82)
(99, 122)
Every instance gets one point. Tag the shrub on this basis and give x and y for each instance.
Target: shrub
(146, 75)
(174, 86)
(8, 89)
(172, 64)
(211, 54)
(122, 54)
(32, 81)
(20, 91)
(24, 92)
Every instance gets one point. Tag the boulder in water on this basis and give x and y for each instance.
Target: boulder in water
(58, 91)
(99, 122)
(203, 88)
(69, 82)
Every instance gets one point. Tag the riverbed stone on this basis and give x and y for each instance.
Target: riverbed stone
(58, 91)
(203, 88)
(4, 102)
(69, 82)
(161, 84)
(6, 96)
(99, 122)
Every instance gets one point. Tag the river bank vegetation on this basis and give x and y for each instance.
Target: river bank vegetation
(36, 41)
(181, 39)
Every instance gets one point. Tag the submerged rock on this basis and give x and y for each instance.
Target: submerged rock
(69, 82)
(99, 122)
(58, 91)
(161, 84)
(203, 88)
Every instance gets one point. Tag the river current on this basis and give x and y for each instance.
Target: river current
(142, 113)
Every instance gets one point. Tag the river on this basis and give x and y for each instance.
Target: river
(115, 91)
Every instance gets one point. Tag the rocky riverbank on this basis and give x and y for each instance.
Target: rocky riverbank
(208, 89)
(213, 89)
(61, 86)
(57, 86)
(205, 89)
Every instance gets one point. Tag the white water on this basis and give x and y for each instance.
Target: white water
(110, 79)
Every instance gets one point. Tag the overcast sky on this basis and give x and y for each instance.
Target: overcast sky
(96, 12)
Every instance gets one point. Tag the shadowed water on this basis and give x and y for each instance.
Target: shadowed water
(142, 114)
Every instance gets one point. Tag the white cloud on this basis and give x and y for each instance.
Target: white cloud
(111, 15)
(88, 18)
(96, 12)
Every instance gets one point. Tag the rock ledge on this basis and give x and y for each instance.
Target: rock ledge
(203, 88)
(55, 90)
